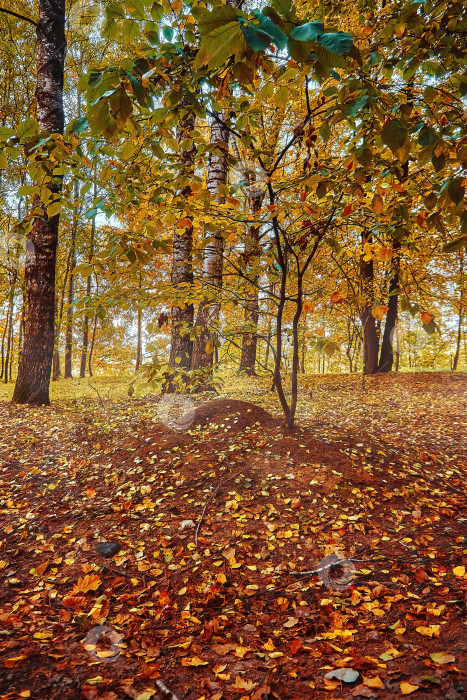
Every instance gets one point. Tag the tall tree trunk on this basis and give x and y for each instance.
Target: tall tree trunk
(84, 349)
(386, 358)
(370, 337)
(32, 383)
(71, 284)
(208, 312)
(181, 343)
(461, 312)
(253, 251)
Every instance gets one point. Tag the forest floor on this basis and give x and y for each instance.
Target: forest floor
(243, 560)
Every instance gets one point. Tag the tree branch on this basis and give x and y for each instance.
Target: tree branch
(15, 14)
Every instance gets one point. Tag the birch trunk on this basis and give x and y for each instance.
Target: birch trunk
(208, 312)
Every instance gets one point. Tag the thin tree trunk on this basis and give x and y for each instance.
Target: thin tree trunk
(59, 303)
(460, 315)
(139, 330)
(21, 330)
(32, 383)
(11, 304)
(5, 328)
(386, 358)
(370, 337)
(56, 356)
(208, 312)
(253, 251)
(84, 350)
(91, 349)
(71, 282)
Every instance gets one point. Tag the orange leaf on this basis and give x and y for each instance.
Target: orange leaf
(426, 317)
(348, 210)
(91, 582)
(14, 661)
(296, 646)
(337, 298)
(379, 311)
(183, 223)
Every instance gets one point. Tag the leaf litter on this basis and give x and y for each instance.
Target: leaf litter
(242, 560)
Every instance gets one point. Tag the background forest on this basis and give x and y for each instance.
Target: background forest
(243, 188)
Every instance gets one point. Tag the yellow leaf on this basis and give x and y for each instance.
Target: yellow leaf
(194, 661)
(43, 635)
(269, 646)
(431, 631)
(407, 688)
(442, 657)
(459, 571)
(379, 311)
(25, 694)
(375, 682)
(241, 651)
(240, 684)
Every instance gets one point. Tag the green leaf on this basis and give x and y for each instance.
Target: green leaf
(337, 42)
(456, 244)
(394, 134)
(324, 131)
(364, 155)
(168, 33)
(138, 90)
(300, 51)
(308, 32)
(427, 136)
(157, 12)
(222, 43)
(255, 38)
(456, 190)
(285, 8)
(209, 21)
(91, 214)
(27, 128)
(6, 133)
(77, 126)
(28, 189)
(438, 162)
(121, 105)
(54, 208)
(276, 34)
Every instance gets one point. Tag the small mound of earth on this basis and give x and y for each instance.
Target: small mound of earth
(243, 414)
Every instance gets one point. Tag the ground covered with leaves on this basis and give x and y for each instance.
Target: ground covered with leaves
(202, 551)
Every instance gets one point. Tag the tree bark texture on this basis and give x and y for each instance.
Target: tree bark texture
(208, 312)
(370, 337)
(32, 383)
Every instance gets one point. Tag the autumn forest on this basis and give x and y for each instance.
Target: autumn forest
(233, 304)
